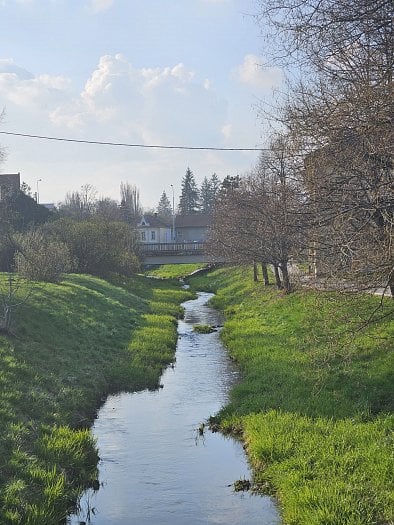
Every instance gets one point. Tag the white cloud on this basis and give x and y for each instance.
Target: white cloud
(22, 88)
(253, 73)
(161, 104)
(7, 65)
(118, 102)
(154, 77)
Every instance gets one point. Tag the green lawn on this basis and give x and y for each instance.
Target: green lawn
(315, 403)
(74, 343)
(174, 271)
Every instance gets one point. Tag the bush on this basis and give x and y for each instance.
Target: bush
(40, 258)
(97, 246)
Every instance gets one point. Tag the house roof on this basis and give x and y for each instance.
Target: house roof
(152, 221)
(196, 220)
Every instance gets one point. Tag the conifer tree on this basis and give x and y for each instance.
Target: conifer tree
(164, 209)
(208, 193)
(189, 200)
(205, 196)
(215, 186)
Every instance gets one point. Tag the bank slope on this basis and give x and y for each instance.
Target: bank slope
(74, 343)
(315, 403)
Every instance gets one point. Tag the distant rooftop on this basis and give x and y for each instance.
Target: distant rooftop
(198, 220)
(153, 221)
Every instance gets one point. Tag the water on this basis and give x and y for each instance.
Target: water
(155, 469)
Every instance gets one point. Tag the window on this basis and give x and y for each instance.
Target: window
(143, 237)
(152, 236)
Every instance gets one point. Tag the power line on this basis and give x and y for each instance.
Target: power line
(127, 145)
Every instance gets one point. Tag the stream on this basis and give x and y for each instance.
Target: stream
(156, 468)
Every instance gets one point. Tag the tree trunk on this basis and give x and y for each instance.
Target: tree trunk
(277, 277)
(7, 319)
(5, 325)
(255, 274)
(285, 277)
(265, 274)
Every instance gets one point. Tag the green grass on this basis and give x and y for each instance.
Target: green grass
(174, 271)
(315, 403)
(75, 342)
(203, 328)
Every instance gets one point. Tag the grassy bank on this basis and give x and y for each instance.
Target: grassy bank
(315, 403)
(174, 271)
(74, 343)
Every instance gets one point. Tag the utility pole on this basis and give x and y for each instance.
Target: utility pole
(173, 213)
(37, 193)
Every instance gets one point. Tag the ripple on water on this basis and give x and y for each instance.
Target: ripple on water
(155, 468)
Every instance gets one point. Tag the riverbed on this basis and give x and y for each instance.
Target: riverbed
(158, 466)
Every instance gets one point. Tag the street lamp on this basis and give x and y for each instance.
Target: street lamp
(173, 213)
(37, 194)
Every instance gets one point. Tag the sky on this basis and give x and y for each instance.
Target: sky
(162, 72)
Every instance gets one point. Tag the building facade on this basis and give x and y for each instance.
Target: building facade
(192, 228)
(9, 182)
(151, 230)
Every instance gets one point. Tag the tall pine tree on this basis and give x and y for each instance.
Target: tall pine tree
(205, 196)
(208, 193)
(189, 200)
(164, 209)
(215, 186)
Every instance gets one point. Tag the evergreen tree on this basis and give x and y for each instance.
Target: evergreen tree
(229, 184)
(215, 186)
(208, 193)
(164, 209)
(189, 200)
(205, 196)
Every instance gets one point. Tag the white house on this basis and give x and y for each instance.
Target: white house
(151, 230)
(188, 228)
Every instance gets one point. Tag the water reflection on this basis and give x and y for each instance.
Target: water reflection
(155, 469)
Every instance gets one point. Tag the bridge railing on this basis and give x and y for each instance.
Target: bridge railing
(172, 248)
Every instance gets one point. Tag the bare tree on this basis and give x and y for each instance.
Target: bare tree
(109, 209)
(14, 291)
(342, 115)
(130, 203)
(80, 204)
(258, 219)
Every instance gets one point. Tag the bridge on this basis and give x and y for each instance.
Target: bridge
(175, 253)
